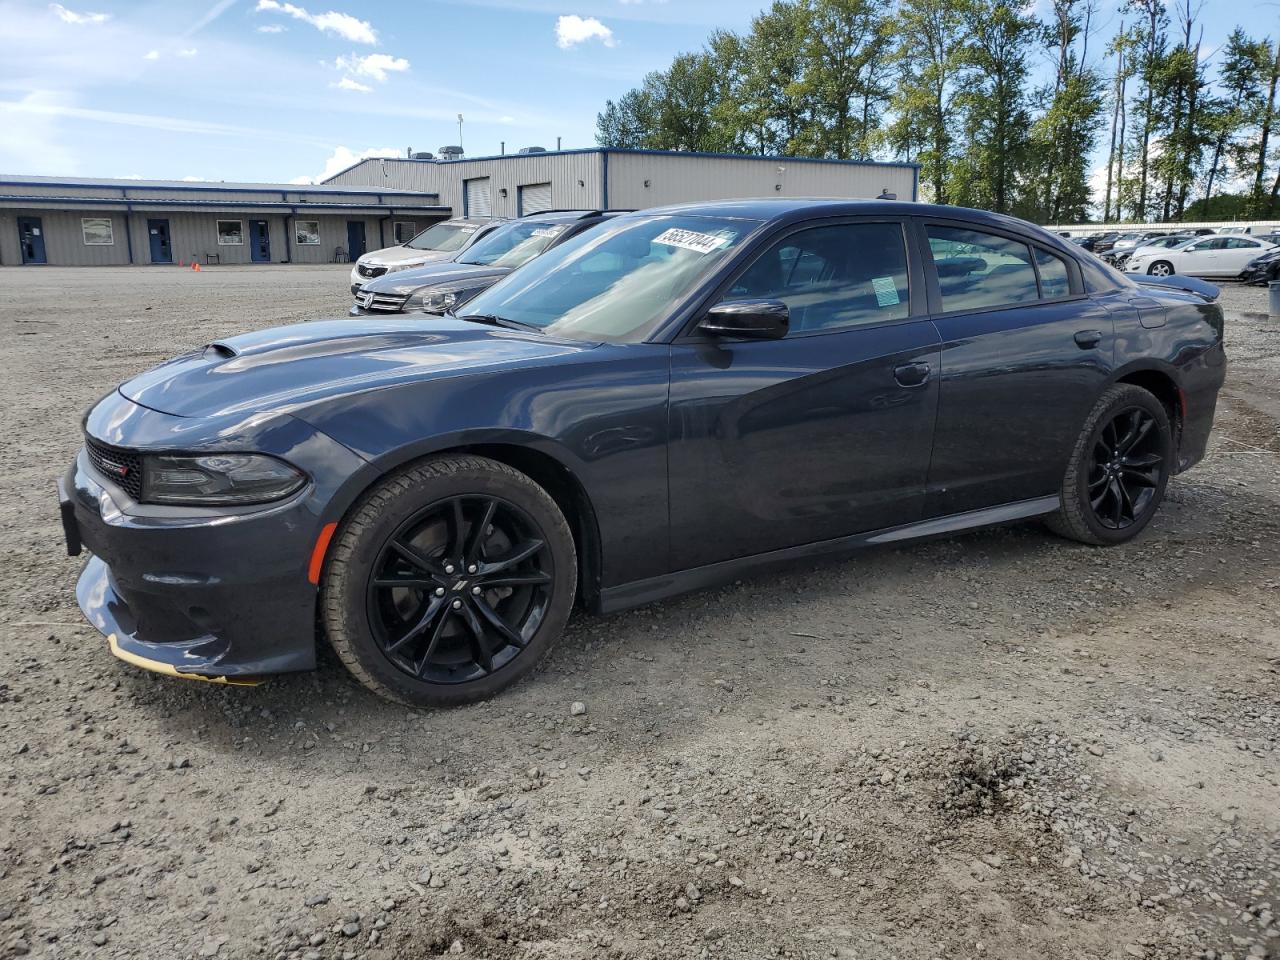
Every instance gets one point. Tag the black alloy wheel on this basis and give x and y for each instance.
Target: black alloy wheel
(459, 589)
(448, 581)
(1116, 477)
(1126, 469)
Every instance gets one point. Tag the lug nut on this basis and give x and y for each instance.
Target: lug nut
(472, 568)
(457, 604)
(448, 568)
(476, 591)
(439, 591)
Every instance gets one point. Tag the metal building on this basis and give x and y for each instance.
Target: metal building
(515, 184)
(87, 222)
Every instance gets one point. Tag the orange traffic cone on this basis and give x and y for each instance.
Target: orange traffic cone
(195, 266)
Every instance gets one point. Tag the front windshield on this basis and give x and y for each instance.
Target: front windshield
(443, 236)
(616, 281)
(513, 245)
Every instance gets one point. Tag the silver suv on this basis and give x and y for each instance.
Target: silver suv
(439, 241)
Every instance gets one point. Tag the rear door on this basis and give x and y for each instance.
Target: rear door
(260, 241)
(1238, 252)
(31, 239)
(821, 434)
(1025, 354)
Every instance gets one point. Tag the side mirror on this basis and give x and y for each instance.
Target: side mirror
(747, 319)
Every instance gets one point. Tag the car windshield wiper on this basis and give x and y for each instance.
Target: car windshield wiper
(493, 320)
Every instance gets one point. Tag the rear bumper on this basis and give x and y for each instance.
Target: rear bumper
(1200, 387)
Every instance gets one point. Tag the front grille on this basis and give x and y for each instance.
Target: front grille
(390, 302)
(366, 271)
(121, 467)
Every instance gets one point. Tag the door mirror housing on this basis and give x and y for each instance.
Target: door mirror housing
(747, 319)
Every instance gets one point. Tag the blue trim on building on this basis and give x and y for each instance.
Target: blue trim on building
(213, 188)
(642, 152)
(248, 205)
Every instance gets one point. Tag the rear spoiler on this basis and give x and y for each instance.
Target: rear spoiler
(1189, 284)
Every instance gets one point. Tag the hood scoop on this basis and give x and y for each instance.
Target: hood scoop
(218, 351)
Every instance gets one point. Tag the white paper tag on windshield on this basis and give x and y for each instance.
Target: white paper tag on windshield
(690, 240)
(546, 231)
(886, 291)
(468, 229)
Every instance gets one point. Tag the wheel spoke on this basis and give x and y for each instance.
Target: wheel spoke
(1144, 462)
(409, 582)
(457, 527)
(479, 531)
(519, 552)
(434, 606)
(420, 668)
(1118, 512)
(1140, 429)
(505, 630)
(1126, 501)
(479, 649)
(410, 553)
(534, 579)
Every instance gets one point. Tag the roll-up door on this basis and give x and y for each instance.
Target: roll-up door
(476, 201)
(534, 198)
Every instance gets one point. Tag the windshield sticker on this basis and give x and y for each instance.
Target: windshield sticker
(546, 231)
(468, 229)
(886, 291)
(690, 240)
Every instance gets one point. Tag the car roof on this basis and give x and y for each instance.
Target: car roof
(473, 221)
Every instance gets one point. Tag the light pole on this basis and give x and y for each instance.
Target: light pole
(459, 129)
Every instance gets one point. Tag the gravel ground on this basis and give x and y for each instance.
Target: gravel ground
(1000, 745)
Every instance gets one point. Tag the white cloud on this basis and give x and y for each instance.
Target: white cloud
(343, 24)
(272, 28)
(375, 65)
(191, 179)
(188, 52)
(70, 16)
(573, 29)
(151, 55)
(346, 83)
(343, 157)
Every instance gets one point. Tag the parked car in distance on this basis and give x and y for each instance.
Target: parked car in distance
(676, 398)
(439, 241)
(447, 285)
(1214, 256)
(1162, 242)
(1103, 242)
(1263, 269)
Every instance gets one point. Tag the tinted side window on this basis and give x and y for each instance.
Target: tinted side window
(832, 277)
(1054, 280)
(978, 270)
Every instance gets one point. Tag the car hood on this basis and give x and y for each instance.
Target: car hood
(406, 282)
(391, 256)
(284, 368)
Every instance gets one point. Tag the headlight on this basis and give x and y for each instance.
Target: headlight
(440, 299)
(228, 478)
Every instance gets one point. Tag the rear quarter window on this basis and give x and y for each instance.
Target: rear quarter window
(979, 270)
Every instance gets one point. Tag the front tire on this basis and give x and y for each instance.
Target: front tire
(1119, 469)
(448, 581)
(1161, 268)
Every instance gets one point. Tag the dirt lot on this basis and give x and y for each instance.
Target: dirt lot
(1001, 745)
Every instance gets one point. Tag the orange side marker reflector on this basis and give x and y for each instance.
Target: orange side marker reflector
(317, 555)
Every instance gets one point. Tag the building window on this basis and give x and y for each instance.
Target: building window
(306, 232)
(230, 233)
(97, 231)
(405, 230)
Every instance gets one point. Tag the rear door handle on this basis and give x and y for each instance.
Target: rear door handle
(1088, 339)
(912, 374)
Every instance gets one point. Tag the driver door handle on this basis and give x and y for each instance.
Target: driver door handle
(912, 374)
(1088, 339)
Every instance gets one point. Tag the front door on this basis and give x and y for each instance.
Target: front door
(260, 241)
(821, 434)
(1025, 355)
(355, 239)
(31, 240)
(161, 247)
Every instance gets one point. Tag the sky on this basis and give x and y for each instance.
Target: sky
(277, 91)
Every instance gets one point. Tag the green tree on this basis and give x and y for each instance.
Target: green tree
(1240, 77)
(993, 103)
(1152, 44)
(928, 57)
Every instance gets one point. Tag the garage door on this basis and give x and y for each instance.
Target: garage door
(475, 200)
(534, 198)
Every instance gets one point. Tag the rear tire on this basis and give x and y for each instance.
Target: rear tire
(1119, 469)
(448, 581)
(1161, 268)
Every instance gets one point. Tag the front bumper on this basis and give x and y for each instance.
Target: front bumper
(220, 595)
